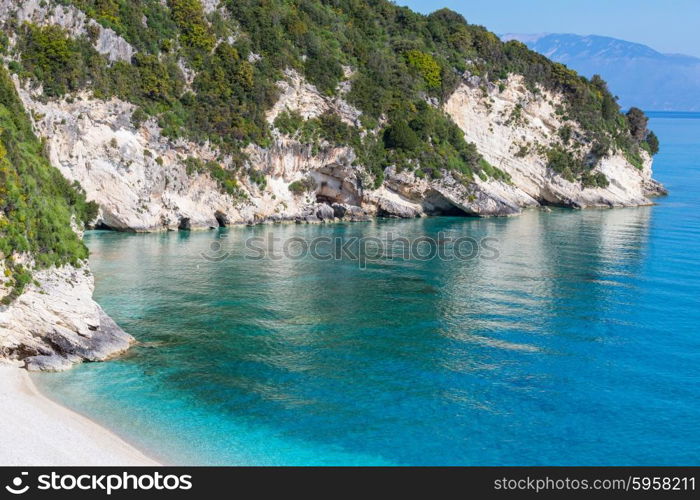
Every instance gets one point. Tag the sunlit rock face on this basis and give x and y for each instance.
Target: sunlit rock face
(502, 121)
(141, 181)
(55, 323)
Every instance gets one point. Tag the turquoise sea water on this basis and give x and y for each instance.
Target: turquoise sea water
(579, 344)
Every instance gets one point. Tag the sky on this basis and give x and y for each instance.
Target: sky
(671, 26)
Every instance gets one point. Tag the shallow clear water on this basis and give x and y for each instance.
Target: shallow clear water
(579, 344)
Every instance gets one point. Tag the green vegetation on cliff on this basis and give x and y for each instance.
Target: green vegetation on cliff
(36, 202)
(398, 60)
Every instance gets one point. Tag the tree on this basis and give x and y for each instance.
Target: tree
(598, 82)
(637, 123)
(401, 136)
(653, 142)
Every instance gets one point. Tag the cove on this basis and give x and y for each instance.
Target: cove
(578, 345)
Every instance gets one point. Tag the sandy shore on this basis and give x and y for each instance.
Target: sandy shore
(37, 431)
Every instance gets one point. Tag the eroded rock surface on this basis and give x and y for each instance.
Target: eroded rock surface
(56, 323)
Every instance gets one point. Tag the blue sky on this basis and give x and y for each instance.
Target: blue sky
(665, 25)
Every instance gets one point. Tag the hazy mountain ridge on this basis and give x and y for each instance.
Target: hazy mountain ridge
(638, 74)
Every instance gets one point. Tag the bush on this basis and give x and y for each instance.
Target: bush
(335, 130)
(289, 122)
(426, 66)
(138, 117)
(565, 134)
(401, 136)
(564, 163)
(635, 159)
(303, 186)
(652, 142)
(594, 179)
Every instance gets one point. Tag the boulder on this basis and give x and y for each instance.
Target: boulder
(356, 214)
(222, 218)
(392, 209)
(325, 212)
(339, 210)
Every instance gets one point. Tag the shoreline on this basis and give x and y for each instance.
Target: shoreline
(40, 432)
(373, 218)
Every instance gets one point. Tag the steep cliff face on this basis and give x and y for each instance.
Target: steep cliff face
(44, 13)
(144, 180)
(141, 182)
(138, 178)
(55, 323)
(510, 126)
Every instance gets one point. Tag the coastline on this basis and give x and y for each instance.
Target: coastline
(40, 432)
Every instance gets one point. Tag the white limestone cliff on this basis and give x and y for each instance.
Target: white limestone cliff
(43, 13)
(500, 122)
(55, 323)
(140, 180)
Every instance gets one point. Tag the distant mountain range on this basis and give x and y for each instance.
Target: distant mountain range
(638, 74)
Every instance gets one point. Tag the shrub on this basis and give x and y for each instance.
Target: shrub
(303, 186)
(564, 163)
(652, 142)
(565, 134)
(594, 179)
(289, 122)
(635, 159)
(401, 136)
(426, 66)
(138, 117)
(335, 130)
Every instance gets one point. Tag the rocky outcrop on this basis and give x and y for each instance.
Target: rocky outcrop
(509, 125)
(55, 323)
(447, 196)
(41, 12)
(141, 181)
(299, 95)
(138, 177)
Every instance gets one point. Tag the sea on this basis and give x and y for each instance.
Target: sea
(569, 337)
